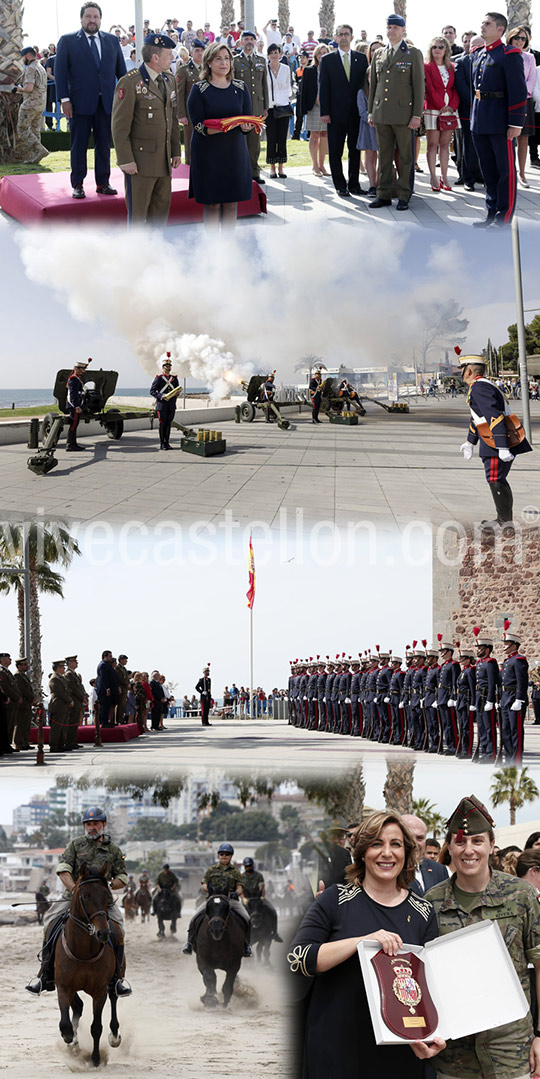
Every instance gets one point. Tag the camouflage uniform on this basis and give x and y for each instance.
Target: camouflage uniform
(96, 853)
(501, 1053)
(252, 883)
(76, 689)
(29, 146)
(167, 879)
(221, 880)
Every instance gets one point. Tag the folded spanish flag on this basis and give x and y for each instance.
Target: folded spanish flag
(228, 122)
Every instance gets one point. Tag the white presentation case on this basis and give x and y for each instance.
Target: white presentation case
(471, 978)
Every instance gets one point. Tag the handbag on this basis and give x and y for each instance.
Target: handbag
(278, 110)
(447, 122)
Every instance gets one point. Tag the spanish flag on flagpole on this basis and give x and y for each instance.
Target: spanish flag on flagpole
(251, 576)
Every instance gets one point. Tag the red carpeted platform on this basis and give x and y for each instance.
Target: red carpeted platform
(46, 196)
(88, 734)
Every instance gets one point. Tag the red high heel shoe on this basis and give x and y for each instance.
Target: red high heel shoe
(444, 187)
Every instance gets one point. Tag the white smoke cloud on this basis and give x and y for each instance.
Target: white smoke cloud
(260, 300)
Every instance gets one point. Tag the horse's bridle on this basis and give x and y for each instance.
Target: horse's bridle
(88, 926)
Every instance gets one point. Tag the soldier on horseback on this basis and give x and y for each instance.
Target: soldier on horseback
(253, 888)
(222, 878)
(96, 849)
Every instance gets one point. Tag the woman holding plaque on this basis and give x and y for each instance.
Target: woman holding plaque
(376, 904)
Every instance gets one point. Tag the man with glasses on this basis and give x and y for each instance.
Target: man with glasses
(497, 117)
(342, 75)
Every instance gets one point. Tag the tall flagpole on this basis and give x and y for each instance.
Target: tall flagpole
(251, 600)
(251, 662)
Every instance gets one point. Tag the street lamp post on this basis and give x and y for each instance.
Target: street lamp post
(520, 324)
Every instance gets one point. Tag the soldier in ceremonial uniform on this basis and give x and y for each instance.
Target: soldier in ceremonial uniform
(302, 695)
(23, 715)
(384, 712)
(75, 403)
(321, 690)
(396, 105)
(75, 686)
(145, 132)
(204, 689)
(514, 700)
(497, 117)
(96, 849)
(253, 887)
(290, 684)
(446, 696)
(12, 697)
(312, 695)
(345, 714)
(334, 696)
(488, 411)
(61, 706)
(535, 691)
(418, 720)
(331, 668)
(34, 94)
(397, 736)
(222, 878)
(163, 384)
(186, 75)
(487, 691)
(315, 395)
(472, 895)
(251, 69)
(465, 702)
(406, 691)
(430, 701)
(372, 731)
(356, 713)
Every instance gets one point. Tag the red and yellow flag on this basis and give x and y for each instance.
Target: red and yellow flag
(251, 576)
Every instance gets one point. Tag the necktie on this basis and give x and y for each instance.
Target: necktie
(94, 50)
(347, 65)
(162, 89)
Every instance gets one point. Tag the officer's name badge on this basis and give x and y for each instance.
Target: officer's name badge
(173, 97)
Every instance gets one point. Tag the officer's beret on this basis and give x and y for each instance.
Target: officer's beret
(249, 33)
(198, 44)
(25, 51)
(470, 818)
(161, 41)
(395, 20)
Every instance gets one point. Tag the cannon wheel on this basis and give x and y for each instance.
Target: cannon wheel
(45, 426)
(247, 412)
(284, 425)
(114, 428)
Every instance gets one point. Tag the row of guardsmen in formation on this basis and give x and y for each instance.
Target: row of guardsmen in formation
(432, 705)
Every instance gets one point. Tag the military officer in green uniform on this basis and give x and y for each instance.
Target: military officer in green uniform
(123, 676)
(33, 87)
(96, 849)
(253, 888)
(74, 683)
(186, 75)
(23, 715)
(167, 879)
(8, 687)
(251, 69)
(61, 707)
(222, 878)
(396, 104)
(473, 894)
(145, 132)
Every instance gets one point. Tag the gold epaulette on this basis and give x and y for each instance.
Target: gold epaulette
(203, 85)
(134, 71)
(239, 82)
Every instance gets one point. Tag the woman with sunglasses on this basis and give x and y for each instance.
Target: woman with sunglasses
(440, 109)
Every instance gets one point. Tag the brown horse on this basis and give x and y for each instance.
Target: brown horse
(130, 904)
(144, 902)
(85, 959)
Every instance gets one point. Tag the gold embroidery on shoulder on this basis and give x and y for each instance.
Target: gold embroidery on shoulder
(297, 959)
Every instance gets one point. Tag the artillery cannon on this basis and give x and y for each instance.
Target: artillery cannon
(99, 387)
(256, 400)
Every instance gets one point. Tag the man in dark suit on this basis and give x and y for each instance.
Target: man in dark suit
(107, 689)
(428, 872)
(157, 705)
(343, 73)
(88, 63)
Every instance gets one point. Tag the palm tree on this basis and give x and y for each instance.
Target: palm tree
(400, 8)
(518, 12)
(398, 786)
(50, 544)
(513, 786)
(427, 811)
(11, 42)
(327, 16)
(227, 12)
(284, 17)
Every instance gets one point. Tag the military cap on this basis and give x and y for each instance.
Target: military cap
(198, 44)
(249, 33)
(5, 655)
(469, 818)
(58, 663)
(161, 41)
(511, 635)
(432, 652)
(25, 51)
(395, 20)
(446, 646)
(18, 662)
(68, 658)
(466, 652)
(165, 865)
(82, 364)
(419, 651)
(484, 642)
(464, 361)
(397, 659)
(122, 656)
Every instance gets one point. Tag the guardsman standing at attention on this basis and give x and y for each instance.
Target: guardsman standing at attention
(290, 684)
(417, 700)
(515, 684)
(431, 712)
(251, 69)
(146, 133)
(466, 702)
(489, 410)
(75, 403)
(302, 695)
(23, 715)
(498, 115)
(74, 683)
(487, 689)
(397, 736)
(446, 695)
(356, 674)
(204, 689)
(8, 687)
(315, 394)
(163, 384)
(330, 667)
(384, 711)
(60, 708)
(396, 106)
(321, 687)
(345, 715)
(312, 695)
(186, 75)
(406, 691)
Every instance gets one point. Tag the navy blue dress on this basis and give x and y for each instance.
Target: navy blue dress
(338, 1035)
(220, 169)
